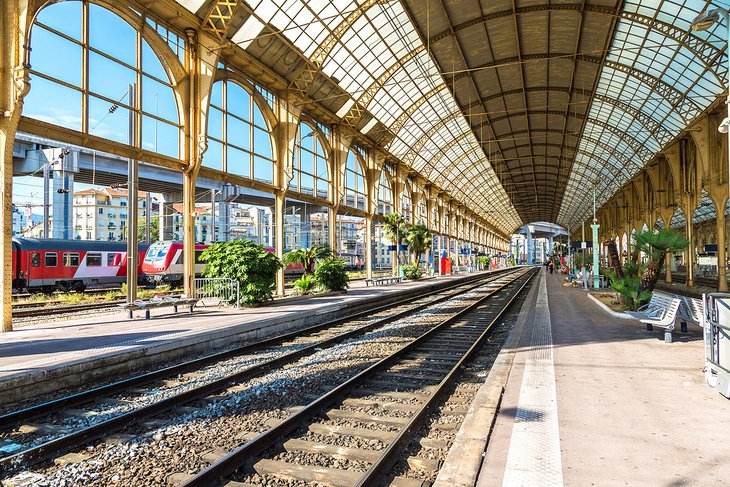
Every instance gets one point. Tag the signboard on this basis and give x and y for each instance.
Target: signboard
(583, 245)
(391, 248)
(710, 248)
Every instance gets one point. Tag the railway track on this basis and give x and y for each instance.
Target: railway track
(382, 407)
(33, 311)
(46, 431)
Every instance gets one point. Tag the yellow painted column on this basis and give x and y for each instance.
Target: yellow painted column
(279, 228)
(721, 272)
(668, 264)
(369, 246)
(14, 85)
(189, 179)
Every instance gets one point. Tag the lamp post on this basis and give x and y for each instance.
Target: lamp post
(704, 21)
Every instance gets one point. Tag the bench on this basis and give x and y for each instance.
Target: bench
(654, 308)
(380, 281)
(158, 302)
(665, 320)
(690, 310)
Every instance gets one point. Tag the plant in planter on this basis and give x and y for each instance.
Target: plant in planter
(246, 262)
(307, 257)
(412, 271)
(305, 285)
(331, 275)
(418, 239)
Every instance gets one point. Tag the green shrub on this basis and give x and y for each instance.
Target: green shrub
(331, 274)
(305, 285)
(412, 271)
(246, 262)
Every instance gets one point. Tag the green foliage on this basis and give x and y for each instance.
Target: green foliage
(483, 260)
(307, 257)
(305, 284)
(511, 261)
(395, 228)
(331, 275)
(655, 243)
(412, 271)
(418, 239)
(628, 287)
(154, 229)
(246, 262)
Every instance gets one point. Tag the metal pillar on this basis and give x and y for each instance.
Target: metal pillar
(46, 199)
(279, 230)
(596, 253)
(63, 183)
(721, 270)
(132, 208)
(224, 217)
(189, 178)
(212, 217)
(690, 251)
(369, 247)
(148, 218)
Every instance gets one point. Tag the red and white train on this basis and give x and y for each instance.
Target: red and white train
(164, 262)
(51, 264)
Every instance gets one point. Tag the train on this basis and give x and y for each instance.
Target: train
(163, 262)
(48, 265)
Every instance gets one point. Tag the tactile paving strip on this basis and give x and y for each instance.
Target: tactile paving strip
(534, 452)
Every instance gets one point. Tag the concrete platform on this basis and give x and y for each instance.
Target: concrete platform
(590, 399)
(36, 359)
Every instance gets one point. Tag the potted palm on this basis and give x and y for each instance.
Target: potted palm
(307, 257)
(395, 230)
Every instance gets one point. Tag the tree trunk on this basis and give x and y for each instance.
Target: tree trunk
(613, 255)
(651, 275)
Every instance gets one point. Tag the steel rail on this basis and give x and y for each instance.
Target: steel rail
(230, 463)
(80, 437)
(391, 454)
(55, 310)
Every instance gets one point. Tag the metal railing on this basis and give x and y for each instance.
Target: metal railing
(717, 341)
(217, 291)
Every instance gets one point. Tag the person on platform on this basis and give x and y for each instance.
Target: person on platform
(551, 267)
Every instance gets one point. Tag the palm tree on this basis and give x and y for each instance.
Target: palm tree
(307, 257)
(419, 239)
(656, 244)
(395, 230)
(613, 254)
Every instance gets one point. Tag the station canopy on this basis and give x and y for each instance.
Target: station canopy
(515, 107)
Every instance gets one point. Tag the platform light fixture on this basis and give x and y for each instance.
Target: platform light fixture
(704, 21)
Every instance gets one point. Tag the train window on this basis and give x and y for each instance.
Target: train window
(113, 259)
(51, 259)
(35, 259)
(70, 259)
(93, 259)
(197, 256)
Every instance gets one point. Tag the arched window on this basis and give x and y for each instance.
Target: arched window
(354, 183)
(93, 96)
(385, 194)
(239, 140)
(311, 176)
(406, 204)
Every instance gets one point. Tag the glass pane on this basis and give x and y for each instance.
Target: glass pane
(213, 157)
(262, 143)
(238, 101)
(238, 133)
(64, 17)
(113, 126)
(109, 78)
(263, 170)
(239, 162)
(56, 57)
(151, 63)
(215, 123)
(121, 45)
(160, 137)
(258, 118)
(159, 99)
(216, 94)
(53, 103)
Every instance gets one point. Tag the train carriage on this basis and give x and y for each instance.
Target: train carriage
(51, 264)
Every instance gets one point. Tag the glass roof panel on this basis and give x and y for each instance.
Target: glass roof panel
(663, 84)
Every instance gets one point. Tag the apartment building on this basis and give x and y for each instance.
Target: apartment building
(102, 214)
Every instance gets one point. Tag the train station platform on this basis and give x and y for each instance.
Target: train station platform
(590, 399)
(40, 358)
